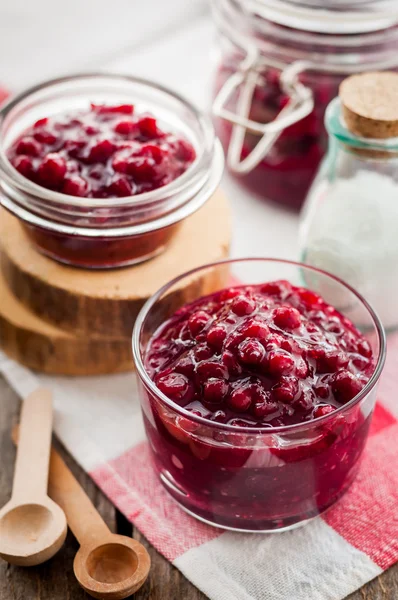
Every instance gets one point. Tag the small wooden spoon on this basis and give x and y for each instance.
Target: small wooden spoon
(32, 527)
(107, 566)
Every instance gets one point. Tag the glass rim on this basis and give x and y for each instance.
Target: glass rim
(281, 429)
(302, 17)
(162, 221)
(195, 170)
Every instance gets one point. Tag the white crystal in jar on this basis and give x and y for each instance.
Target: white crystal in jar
(353, 234)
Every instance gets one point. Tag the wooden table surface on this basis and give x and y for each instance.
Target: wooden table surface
(55, 579)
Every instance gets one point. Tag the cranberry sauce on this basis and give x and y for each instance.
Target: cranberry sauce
(271, 354)
(287, 171)
(102, 152)
(257, 356)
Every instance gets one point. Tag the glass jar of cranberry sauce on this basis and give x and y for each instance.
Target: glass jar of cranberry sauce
(101, 169)
(280, 64)
(257, 399)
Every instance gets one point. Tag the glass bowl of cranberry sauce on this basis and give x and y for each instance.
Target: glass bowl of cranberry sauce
(101, 169)
(257, 398)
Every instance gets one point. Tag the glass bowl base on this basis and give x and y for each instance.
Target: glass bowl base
(103, 266)
(174, 491)
(244, 530)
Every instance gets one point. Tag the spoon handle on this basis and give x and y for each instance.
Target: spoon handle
(33, 454)
(82, 516)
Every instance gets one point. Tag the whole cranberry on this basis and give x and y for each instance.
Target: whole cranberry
(45, 136)
(216, 336)
(101, 151)
(346, 386)
(119, 164)
(198, 321)
(215, 390)
(305, 401)
(126, 127)
(322, 390)
(256, 329)
(276, 288)
(329, 361)
(120, 187)
(202, 352)
(184, 151)
(176, 386)
(74, 185)
(185, 365)
(240, 399)
(24, 165)
(322, 410)
(52, 170)
(263, 404)
(142, 168)
(280, 363)
(243, 306)
(364, 348)
(104, 109)
(286, 389)
(301, 368)
(251, 352)
(29, 146)
(309, 298)
(287, 317)
(148, 127)
(208, 369)
(152, 151)
(231, 362)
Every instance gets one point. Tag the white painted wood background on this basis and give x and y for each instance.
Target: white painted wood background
(169, 41)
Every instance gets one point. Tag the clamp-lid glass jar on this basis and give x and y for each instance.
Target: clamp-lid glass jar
(115, 229)
(280, 64)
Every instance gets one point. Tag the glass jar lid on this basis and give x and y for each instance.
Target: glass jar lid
(326, 16)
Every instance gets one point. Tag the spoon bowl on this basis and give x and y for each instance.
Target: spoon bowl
(115, 568)
(32, 527)
(107, 566)
(31, 533)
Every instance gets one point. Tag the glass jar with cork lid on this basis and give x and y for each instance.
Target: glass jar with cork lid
(349, 223)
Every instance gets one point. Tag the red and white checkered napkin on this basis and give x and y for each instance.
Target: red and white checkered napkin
(98, 420)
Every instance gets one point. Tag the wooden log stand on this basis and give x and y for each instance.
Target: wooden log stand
(43, 347)
(62, 320)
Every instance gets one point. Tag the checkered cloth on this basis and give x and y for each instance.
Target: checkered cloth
(98, 419)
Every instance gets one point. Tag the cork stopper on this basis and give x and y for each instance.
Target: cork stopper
(370, 104)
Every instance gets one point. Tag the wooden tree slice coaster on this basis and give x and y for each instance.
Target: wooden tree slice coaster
(40, 346)
(106, 303)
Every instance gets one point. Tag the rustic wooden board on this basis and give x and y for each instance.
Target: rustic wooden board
(55, 580)
(106, 303)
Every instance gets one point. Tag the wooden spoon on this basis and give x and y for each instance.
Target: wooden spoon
(32, 527)
(107, 566)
